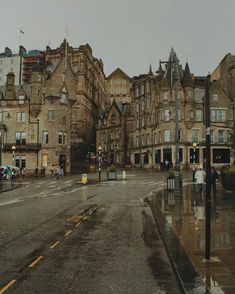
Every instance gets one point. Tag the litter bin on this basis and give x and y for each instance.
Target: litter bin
(170, 184)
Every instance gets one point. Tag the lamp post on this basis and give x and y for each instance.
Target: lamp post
(2, 133)
(1, 137)
(194, 159)
(37, 121)
(99, 153)
(13, 148)
(208, 172)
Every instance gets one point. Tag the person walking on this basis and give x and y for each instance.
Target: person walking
(200, 179)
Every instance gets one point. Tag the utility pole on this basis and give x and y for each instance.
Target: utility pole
(2, 135)
(208, 171)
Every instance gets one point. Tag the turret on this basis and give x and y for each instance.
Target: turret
(36, 83)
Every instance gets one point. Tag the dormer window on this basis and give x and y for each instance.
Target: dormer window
(21, 99)
(165, 96)
(113, 119)
(63, 95)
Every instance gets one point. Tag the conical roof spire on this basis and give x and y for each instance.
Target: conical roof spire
(170, 67)
(187, 78)
(150, 70)
(173, 69)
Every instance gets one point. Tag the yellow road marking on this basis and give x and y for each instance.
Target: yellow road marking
(66, 234)
(7, 286)
(36, 261)
(77, 224)
(75, 218)
(55, 244)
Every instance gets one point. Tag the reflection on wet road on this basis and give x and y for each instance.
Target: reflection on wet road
(185, 215)
(8, 185)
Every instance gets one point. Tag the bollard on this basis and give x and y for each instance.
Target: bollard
(84, 179)
(124, 175)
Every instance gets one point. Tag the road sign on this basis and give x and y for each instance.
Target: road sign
(84, 179)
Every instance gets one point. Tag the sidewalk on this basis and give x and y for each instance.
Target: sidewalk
(181, 220)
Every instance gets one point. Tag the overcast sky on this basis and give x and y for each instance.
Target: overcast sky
(130, 34)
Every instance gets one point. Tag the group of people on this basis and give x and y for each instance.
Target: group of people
(166, 165)
(10, 173)
(200, 177)
(55, 170)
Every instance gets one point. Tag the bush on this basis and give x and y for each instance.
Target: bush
(171, 174)
(112, 168)
(231, 169)
(228, 169)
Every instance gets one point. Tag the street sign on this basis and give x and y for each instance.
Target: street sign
(84, 179)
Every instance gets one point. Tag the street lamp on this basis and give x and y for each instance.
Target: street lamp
(37, 121)
(194, 159)
(2, 133)
(99, 153)
(1, 137)
(13, 148)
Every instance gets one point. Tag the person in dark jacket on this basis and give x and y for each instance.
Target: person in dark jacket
(214, 177)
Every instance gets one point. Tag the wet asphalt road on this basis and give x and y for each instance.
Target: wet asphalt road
(59, 237)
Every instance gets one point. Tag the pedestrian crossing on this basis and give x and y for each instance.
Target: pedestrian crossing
(134, 183)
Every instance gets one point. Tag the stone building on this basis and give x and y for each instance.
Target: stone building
(52, 120)
(154, 108)
(118, 86)
(151, 122)
(90, 94)
(30, 58)
(10, 62)
(112, 131)
(223, 79)
(18, 129)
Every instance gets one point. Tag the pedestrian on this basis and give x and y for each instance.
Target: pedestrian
(43, 170)
(61, 171)
(13, 174)
(200, 179)
(214, 177)
(56, 172)
(167, 164)
(52, 169)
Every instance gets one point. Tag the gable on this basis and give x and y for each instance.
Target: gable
(118, 73)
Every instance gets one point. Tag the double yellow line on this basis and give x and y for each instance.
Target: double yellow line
(31, 265)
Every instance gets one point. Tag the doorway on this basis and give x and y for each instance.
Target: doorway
(62, 162)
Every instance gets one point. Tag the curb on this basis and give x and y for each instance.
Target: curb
(185, 271)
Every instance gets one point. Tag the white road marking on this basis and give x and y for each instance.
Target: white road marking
(11, 202)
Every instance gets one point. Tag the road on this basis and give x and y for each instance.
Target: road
(61, 237)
